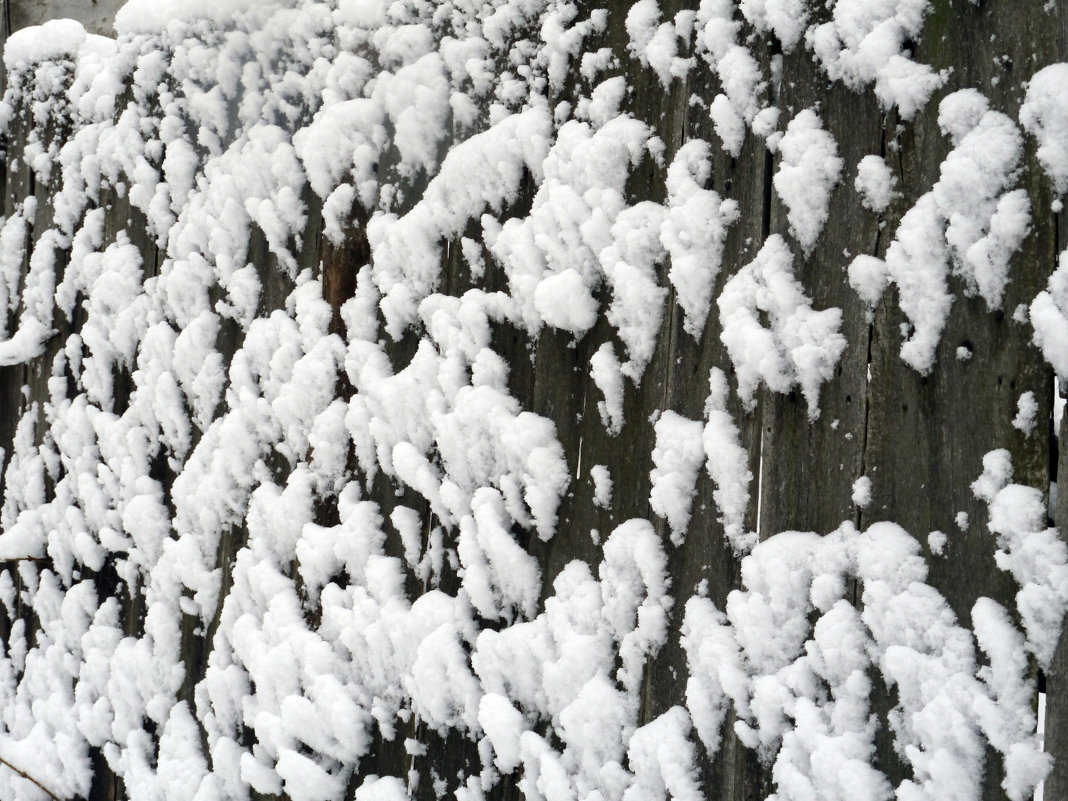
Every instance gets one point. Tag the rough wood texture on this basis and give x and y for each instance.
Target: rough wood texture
(1056, 728)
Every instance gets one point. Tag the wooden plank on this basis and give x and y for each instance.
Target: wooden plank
(927, 434)
(1056, 678)
(809, 466)
(676, 379)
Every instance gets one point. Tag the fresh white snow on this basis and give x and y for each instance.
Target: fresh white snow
(438, 132)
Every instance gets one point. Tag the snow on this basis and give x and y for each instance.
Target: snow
(772, 666)
(986, 220)
(574, 224)
(656, 44)
(1043, 114)
(677, 459)
(56, 40)
(1026, 409)
(1049, 316)
(629, 262)
(500, 577)
(716, 672)
(482, 173)
(809, 170)
(875, 183)
(150, 16)
(504, 726)
(607, 374)
(937, 541)
(694, 233)
(865, 42)
(564, 301)
(868, 276)
(784, 18)
(800, 347)
(1035, 555)
(916, 263)
(1010, 726)
(970, 224)
(663, 760)
(862, 492)
(602, 485)
(384, 788)
(727, 463)
(739, 104)
(348, 517)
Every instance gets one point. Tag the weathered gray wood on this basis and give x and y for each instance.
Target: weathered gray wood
(1056, 722)
(96, 15)
(809, 466)
(1056, 685)
(927, 434)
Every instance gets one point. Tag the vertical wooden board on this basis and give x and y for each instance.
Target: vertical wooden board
(5, 31)
(17, 189)
(106, 786)
(704, 563)
(38, 370)
(676, 378)
(680, 376)
(928, 434)
(562, 388)
(1056, 722)
(558, 388)
(18, 182)
(735, 772)
(121, 217)
(310, 248)
(809, 466)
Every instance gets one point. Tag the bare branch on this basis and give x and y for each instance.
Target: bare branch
(29, 778)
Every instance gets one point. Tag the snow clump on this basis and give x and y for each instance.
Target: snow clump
(861, 492)
(809, 171)
(800, 346)
(1049, 316)
(677, 460)
(875, 183)
(1044, 115)
(970, 223)
(865, 43)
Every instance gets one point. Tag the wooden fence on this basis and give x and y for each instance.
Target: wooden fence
(919, 437)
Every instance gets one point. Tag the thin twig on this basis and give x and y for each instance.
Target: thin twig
(29, 778)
